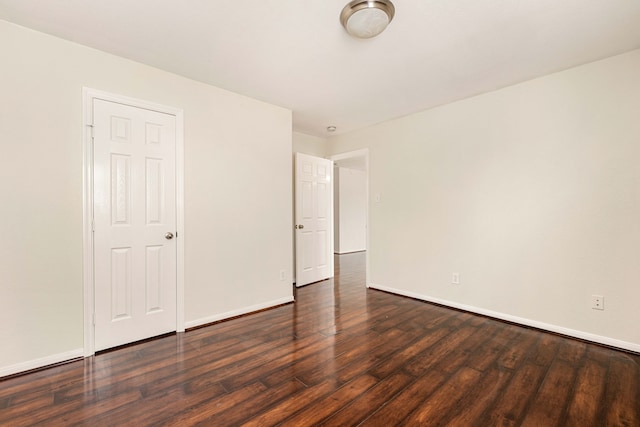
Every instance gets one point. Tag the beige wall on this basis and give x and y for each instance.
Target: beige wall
(308, 144)
(531, 193)
(349, 210)
(238, 224)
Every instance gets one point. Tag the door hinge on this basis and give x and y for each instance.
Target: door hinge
(93, 226)
(94, 319)
(92, 131)
(176, 234)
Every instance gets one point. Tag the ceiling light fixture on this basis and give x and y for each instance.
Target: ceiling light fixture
(331, 128)
(367, 18)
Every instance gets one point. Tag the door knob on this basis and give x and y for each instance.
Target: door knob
(168, 235)
(300, 226)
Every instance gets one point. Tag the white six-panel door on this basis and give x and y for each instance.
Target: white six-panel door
(134, 210)
(314, 219)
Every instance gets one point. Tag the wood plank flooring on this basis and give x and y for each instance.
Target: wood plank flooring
(341, 355)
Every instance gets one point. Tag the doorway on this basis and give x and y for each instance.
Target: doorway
(354, 166)
(313, 219)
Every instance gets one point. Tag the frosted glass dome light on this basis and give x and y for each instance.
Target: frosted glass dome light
(367, 18)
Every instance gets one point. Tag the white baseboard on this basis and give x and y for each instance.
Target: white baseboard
(74, 354)
(39, 363)
(515, 319)
(239, 312)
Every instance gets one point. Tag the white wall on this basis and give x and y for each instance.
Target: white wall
(350, 210)
(238, 224)
(531, 193)
(308, 144)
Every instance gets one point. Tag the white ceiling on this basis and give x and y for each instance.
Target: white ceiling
(295, 54)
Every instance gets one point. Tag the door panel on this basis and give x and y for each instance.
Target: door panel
(314, 207)
(154, 191)
(121, 280)
(153, 292)
(134, 207)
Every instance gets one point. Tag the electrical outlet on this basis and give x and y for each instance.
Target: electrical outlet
(282, 275)
(455, 278)
(597, 302)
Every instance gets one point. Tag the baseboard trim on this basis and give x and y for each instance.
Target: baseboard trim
(41, 363)
(586, 336)
(235, 313)
(70, 356)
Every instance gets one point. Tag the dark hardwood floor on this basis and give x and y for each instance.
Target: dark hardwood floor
(341, 355)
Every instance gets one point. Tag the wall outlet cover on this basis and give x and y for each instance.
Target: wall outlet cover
(597, 302)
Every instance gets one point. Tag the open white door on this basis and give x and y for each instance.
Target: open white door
(314, 219)
(135, 223)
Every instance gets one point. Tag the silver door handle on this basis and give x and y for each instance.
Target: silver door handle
(168, 235)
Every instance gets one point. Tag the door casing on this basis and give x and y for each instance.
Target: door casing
(88, 205)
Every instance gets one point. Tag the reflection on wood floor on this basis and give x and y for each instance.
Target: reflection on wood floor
(341, 355)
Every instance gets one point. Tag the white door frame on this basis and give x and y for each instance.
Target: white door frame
(87, 190)
(348, 155)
